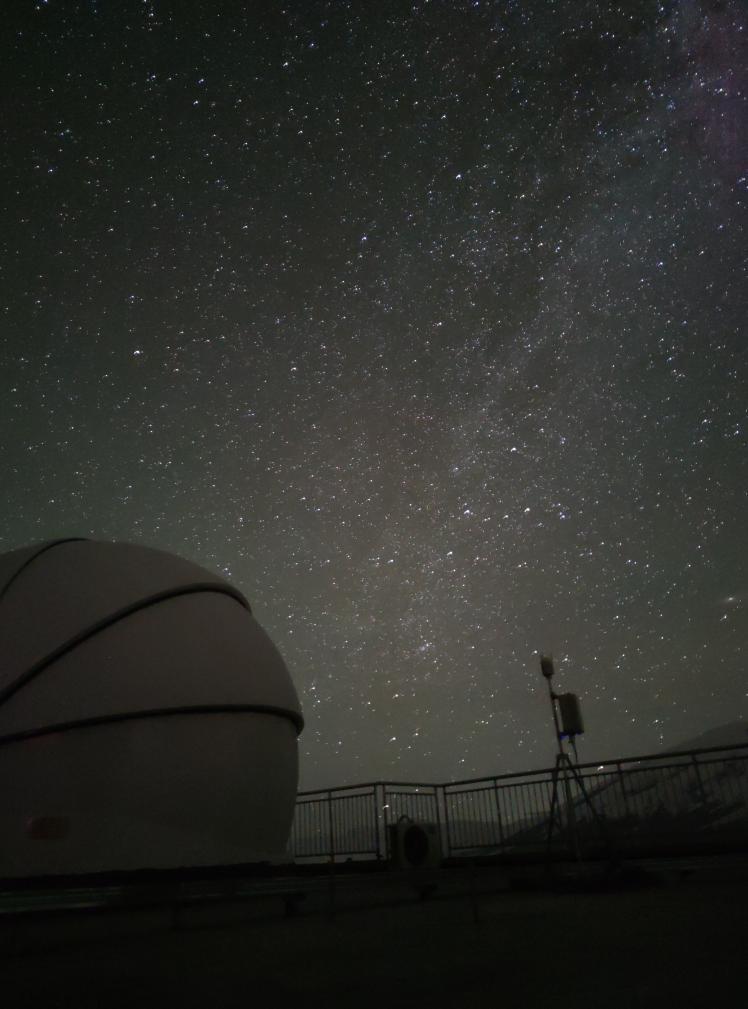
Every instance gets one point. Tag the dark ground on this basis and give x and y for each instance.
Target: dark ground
(678, 943)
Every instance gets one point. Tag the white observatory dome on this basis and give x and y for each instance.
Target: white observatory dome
(146, 719)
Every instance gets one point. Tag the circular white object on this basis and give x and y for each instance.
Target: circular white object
(146, 719)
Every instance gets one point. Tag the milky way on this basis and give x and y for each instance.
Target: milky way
(423, 323)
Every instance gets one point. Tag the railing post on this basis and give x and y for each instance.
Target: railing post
(438, 816)
(331, 889)
(331, 826)
(624, 793)
(498, 812)
(697, 770)
(384, 819)
(447, 822)
(377, 822)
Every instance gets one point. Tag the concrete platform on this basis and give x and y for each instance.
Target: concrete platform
(679, 942)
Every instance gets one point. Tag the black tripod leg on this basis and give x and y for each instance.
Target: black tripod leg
(554, 804)
(595, 815)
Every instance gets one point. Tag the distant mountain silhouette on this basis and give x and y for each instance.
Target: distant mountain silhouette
(657, 802)
(730, 734)
(679, 799)
(660, 802)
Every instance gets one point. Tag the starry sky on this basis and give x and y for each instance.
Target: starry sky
(423, 322)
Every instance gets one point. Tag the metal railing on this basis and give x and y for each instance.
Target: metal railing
(352, 821)
(653, 800)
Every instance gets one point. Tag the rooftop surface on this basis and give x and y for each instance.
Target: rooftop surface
(670, 936)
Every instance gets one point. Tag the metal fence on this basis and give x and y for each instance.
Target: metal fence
(352, 821)
(662, 799)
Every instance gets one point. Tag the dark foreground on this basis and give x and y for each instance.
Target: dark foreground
(678, 942)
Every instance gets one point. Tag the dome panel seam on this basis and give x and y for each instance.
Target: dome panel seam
(98, 626)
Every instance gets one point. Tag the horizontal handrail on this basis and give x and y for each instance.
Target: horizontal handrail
(368, 784)
(593, 764)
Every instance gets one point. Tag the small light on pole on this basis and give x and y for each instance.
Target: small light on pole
(546, 668)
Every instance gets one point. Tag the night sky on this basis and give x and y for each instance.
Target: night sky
(422, 322)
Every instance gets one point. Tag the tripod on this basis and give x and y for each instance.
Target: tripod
(565, 770)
